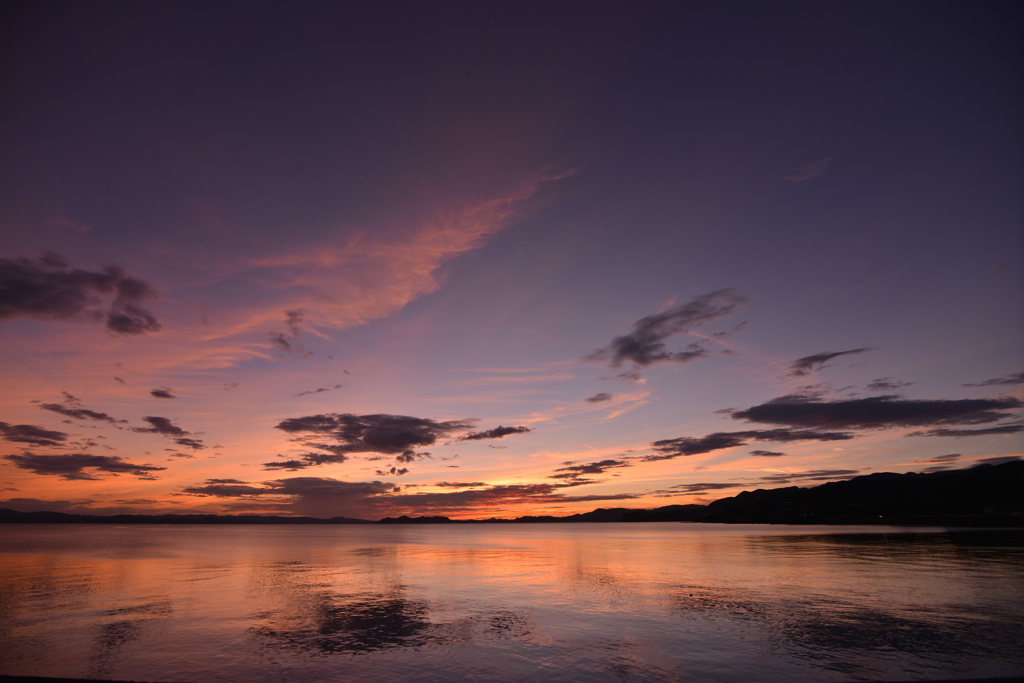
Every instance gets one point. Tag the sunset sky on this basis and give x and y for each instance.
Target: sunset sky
(495, 259)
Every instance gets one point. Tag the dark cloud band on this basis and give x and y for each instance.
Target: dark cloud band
(30, 434)
(960, 433)
(877, 412)
(1009, 380)
(496, 433)
(688, 445)
(73, 466)
(339, 435)
(48, 289)
(599, 467)
(77, 413)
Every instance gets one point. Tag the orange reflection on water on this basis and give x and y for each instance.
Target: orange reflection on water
(510, 602)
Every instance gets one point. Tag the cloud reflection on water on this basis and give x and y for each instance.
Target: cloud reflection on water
(840, 636)
(534, 602)
(321, 621)
(349, 624)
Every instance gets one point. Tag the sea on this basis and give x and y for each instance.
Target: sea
(510, 602)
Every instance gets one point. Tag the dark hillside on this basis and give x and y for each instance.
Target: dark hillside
(986, 495)
(983, 495)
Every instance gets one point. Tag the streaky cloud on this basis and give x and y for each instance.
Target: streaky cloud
(942, 458)
(72, 466)
(164, 427)
(700, 488)
(599, 467)
(804, 366)
(331, 497)
(688, 445)
(496, 433)
(314, 496)
(960, 433)
(813, 475)
(371, 274)
(887, 384)
(79, 413)
(31, 434)
(808, 172)
(1009, 380)
(645, 344)
(288, 465)
(877, 412)
(320, 390)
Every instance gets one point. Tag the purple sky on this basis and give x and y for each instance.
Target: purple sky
(490, 260)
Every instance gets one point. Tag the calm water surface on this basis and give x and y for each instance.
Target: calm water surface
(551, 602)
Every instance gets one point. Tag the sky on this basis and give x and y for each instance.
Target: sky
(502, 259)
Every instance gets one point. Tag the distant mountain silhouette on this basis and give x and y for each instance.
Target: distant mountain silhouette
(985, 495)
(404, 519)
(65, 518)
(669, 513)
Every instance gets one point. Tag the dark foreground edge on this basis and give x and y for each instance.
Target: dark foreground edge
(43, 679)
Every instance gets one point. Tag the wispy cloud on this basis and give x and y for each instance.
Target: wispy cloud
(812, 475)
(547, 376)
(72, 407)
(370, 275)
(164, 427)
(327, 497)
(287, 341)
(808, 172)
(73, 466)
(646, 343)
(65, 223)
(702, 488)
(960, 433)
(804, 366)
(319, 390)
(942, 458)
(1008, 380)
(598, 467)
(619, 404)
(887, 384)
